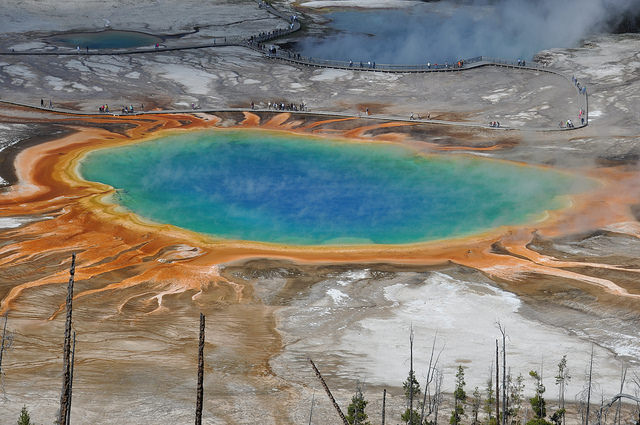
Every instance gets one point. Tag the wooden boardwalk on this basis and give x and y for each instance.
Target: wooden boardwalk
(258, 43)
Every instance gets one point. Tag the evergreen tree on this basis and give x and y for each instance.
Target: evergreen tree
(562, 378)
(24, 419)
(476, 403)
(516, 396)
(412, 418)
(459, 397)
(355, 411)
(557, 416)
(490, 401)
(538, 403)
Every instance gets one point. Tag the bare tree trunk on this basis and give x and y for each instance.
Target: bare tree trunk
(326, 389)
(384, 402)
(589, 389)
(199, 389)
(427, 385)
(5, 344)
(623, 377)
(497, 384)
(66, 355)
(313, 397)
(438, 398)
(73, 361)
(4, 334)
(541, 378)
(504, 375)
(411, 377)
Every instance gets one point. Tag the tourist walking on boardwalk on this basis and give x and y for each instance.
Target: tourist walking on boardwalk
(42, 103)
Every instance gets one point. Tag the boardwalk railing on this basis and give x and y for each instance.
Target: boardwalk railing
(258, 42)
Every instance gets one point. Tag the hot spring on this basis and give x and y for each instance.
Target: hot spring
(449, 30)
(108, 39)
(292, 189)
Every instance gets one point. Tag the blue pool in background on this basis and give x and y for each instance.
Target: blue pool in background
(442, 32)
(283, 188)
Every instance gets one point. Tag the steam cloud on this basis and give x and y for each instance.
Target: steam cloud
(450, 30)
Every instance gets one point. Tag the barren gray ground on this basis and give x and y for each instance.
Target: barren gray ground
(353, 320)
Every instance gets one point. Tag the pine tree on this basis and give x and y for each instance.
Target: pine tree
(516, 396)
(459, 397)
(412, 418)
(24, 419)
(490, 401)
(476, 403)
(562, 378)
(355, 411)
(538, 403)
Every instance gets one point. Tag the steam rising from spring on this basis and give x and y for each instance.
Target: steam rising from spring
(450, 30)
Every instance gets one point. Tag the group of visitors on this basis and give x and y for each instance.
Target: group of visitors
(128, 109)
(125, 109)
(266, 36)
(494, 124)
(42, 103)
(567, 124)
(441, 66)
(281, 106)
(581, 89)
(419, 117)
(369, 64)
(522, 62)
(581, 115)
(293, 55)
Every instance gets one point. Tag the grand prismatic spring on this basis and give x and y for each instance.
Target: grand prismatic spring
(257, 186)
(314, 209)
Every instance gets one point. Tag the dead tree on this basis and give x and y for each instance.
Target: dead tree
(73, 361)
(497, 383)
(66, 355)
(589, 388)
(437, 397)
(313, 398)
(5, 344)
(384, 402)
(200, 389)
(504, 374)
(326, 389)
(4, 334)
(623, 377)
(617, 398)
(427, 386)
(411, 377)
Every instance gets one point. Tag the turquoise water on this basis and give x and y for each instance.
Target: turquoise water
(108, 39)
(275, 187)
